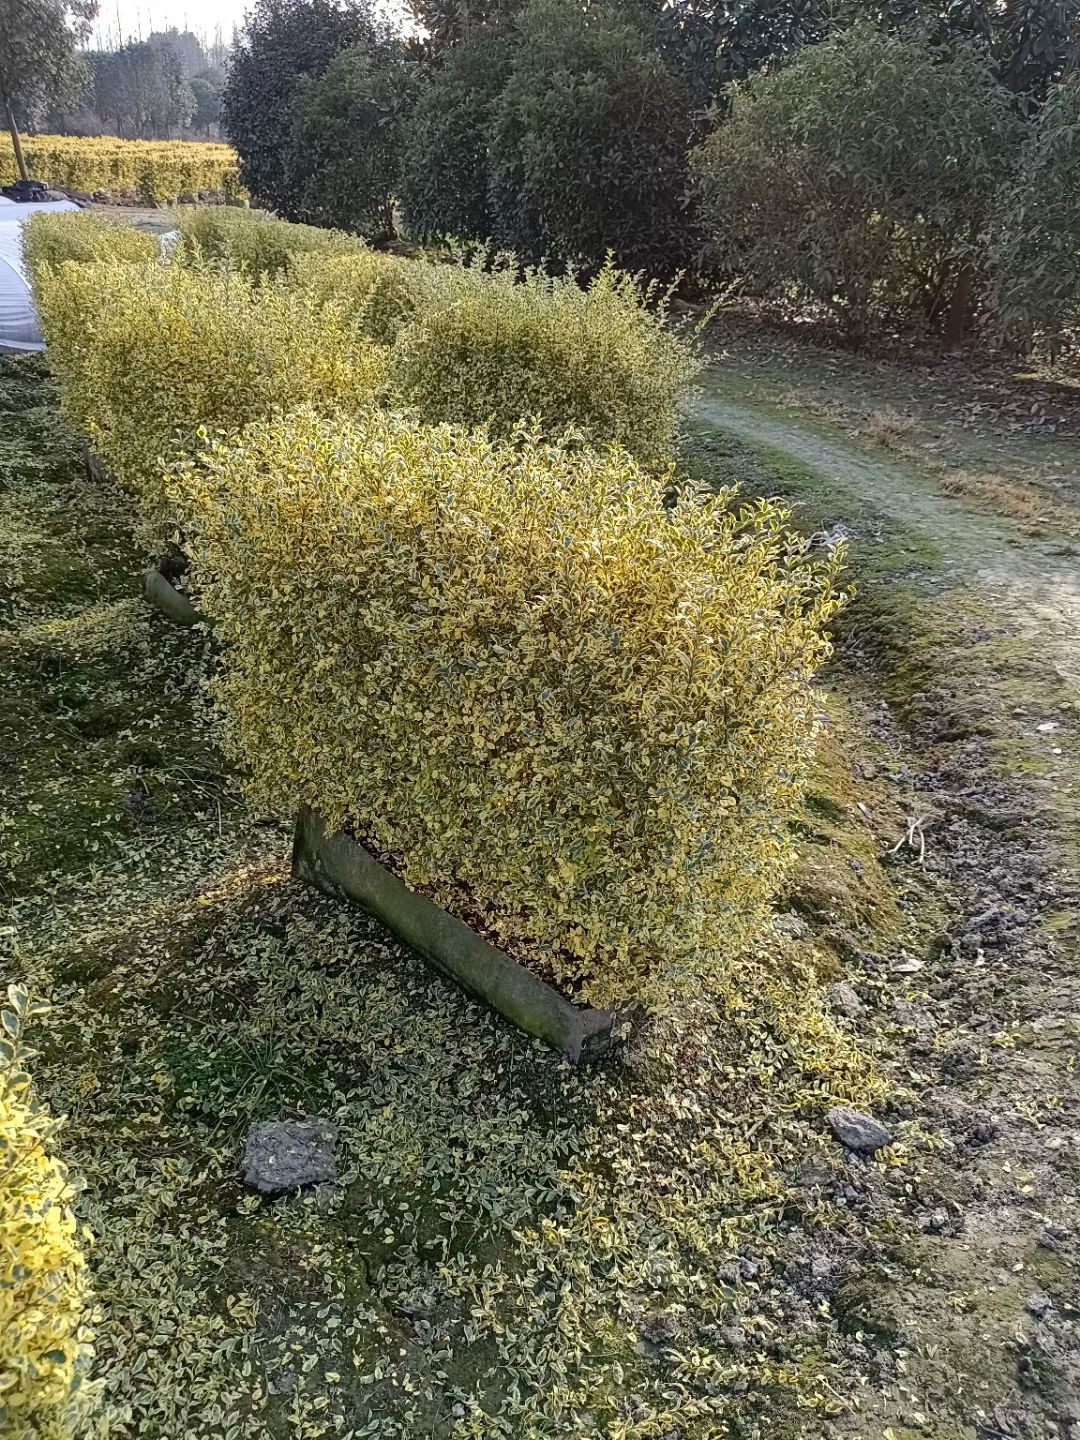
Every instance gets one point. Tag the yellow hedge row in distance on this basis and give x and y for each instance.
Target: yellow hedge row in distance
(154, 171)
(569, 712)
(45, 1345)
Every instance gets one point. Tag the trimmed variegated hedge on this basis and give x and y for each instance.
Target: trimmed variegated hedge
(574, 716)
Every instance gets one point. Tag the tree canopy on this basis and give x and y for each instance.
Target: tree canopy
(280, 44)
(38, 60)
(862, 173)
(588, 141)
(345, 148)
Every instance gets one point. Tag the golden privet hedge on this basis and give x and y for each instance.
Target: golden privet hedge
(153, 171)
(572, 715)
(254, 241)
(80, 235)
(149, 355)
(44, 1341)
(598, 359)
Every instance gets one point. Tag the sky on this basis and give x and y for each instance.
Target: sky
(129, 19)
(123, 20)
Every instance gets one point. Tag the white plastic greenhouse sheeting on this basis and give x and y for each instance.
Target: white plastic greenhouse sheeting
(19, 328)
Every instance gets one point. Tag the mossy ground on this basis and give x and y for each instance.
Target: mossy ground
(668, 1246)
(957, 660)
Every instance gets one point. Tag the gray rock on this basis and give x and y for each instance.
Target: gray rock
(857, 1131)
(1038, 1304)
(792, 925)
(844, 999)
(283, 1155)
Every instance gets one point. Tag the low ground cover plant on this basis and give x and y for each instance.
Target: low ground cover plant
(44, 1340)
(571, 715)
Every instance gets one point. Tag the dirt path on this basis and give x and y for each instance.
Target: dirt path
(992, 550)
(962, 654)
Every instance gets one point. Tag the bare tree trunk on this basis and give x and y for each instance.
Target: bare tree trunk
(16, 143)
(960, 307)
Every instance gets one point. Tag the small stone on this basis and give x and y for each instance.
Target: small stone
(1047, 727)
(284, 1155)
(791, 925)
(907, 966)
(1038, 1303)
(658, 1328)
(858, 1132)
(844, 999)
(733, 1337)
(1054, 1236)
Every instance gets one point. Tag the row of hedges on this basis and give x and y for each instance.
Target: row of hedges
(574, 710)
(260, 314)
(153, 170)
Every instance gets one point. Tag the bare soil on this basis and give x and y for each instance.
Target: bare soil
(961, 656)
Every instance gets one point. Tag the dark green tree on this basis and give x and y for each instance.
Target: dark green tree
(445, 181)
(207, 97)
(862, 174)
(39, 66)
(347, 138)
(1036, 260)
(588, 141)
(281, 43)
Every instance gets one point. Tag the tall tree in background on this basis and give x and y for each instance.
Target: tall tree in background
(141, 88)
(281, 43)
(445, 182)
(863, 175)
(1036, 258)
(589, 139)
(347, 138)
(38, 60)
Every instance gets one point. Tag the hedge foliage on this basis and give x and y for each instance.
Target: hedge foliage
(600, 359)
(144, 359)
(252, 240)
(152, 170)
(574, 716)
(80, 235)
(147, 356)
(381, 292)
(45, 1345)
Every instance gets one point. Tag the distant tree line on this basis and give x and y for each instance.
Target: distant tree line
(168, 85)
(877, 159)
